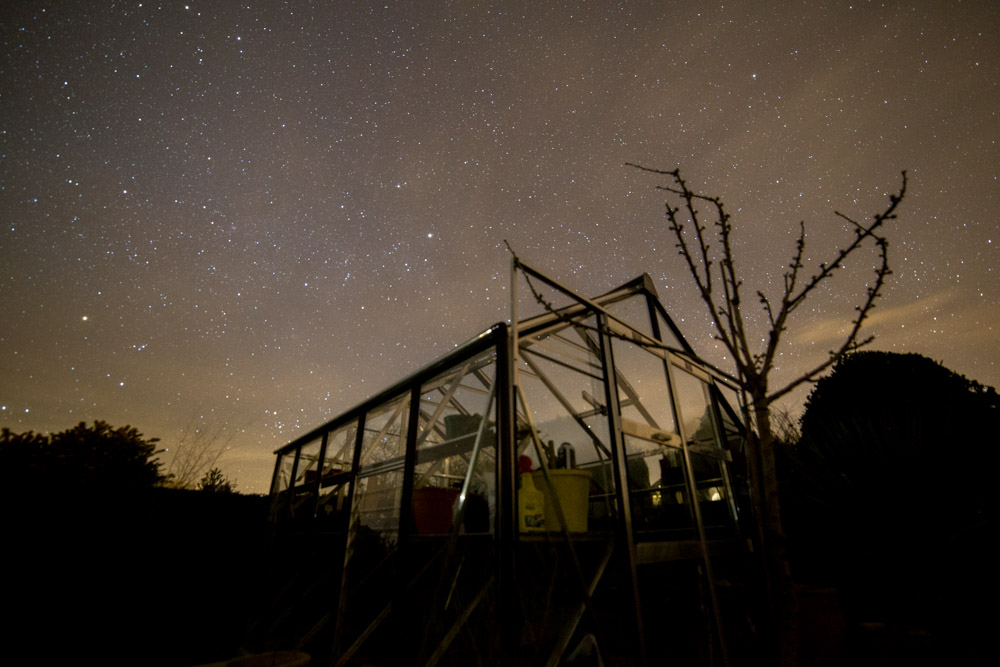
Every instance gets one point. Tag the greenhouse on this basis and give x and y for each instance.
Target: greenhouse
(571, 489)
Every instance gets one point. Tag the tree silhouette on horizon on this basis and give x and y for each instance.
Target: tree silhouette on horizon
(891, 496)
(92, 458)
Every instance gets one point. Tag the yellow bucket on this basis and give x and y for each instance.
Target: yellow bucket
(573, 487)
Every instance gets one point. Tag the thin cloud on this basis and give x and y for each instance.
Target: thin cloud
(831, 330)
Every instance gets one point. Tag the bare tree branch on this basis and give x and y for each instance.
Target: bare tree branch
(851, 342)
(754, 368)
(790, 302)
(727, 316)
(200, 448)
(727, 320)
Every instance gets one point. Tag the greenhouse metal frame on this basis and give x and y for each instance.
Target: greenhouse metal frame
(636, 446)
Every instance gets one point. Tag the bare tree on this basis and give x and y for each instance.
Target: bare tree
(200, 448)
(708, 256)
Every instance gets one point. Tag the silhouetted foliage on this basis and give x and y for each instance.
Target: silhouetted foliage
(892, 489)
(890, 432)
(214, 481)
(87, 458)
(99, 555)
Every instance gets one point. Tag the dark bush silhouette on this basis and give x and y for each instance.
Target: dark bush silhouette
(891, 490)
(83, 458)
(890, 433)
(105, 565)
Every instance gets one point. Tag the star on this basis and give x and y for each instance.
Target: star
(256, 227)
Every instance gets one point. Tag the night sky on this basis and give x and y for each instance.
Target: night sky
(251, 218)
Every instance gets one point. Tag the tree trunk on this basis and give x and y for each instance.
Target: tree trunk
(781, 590)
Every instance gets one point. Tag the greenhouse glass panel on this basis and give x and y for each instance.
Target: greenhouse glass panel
(370, 572)
(456, 428)
(654, 459)
(380, 471)
(633, 311)
(283, 472)
(731, 416)
(667, 334)
(307, 472)
(302, 504)
(335, 477)
(564, 398)
(734, 436)
(700, 428)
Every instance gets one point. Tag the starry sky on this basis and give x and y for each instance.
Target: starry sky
(245, 219)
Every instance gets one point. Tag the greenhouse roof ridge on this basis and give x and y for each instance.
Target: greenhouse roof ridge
(642, 284)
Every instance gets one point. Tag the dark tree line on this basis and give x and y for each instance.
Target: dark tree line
(106, 561)
(88, 458)
(95, 458)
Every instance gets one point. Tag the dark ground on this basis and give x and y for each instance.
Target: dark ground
(154, 577)
(168, 577)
